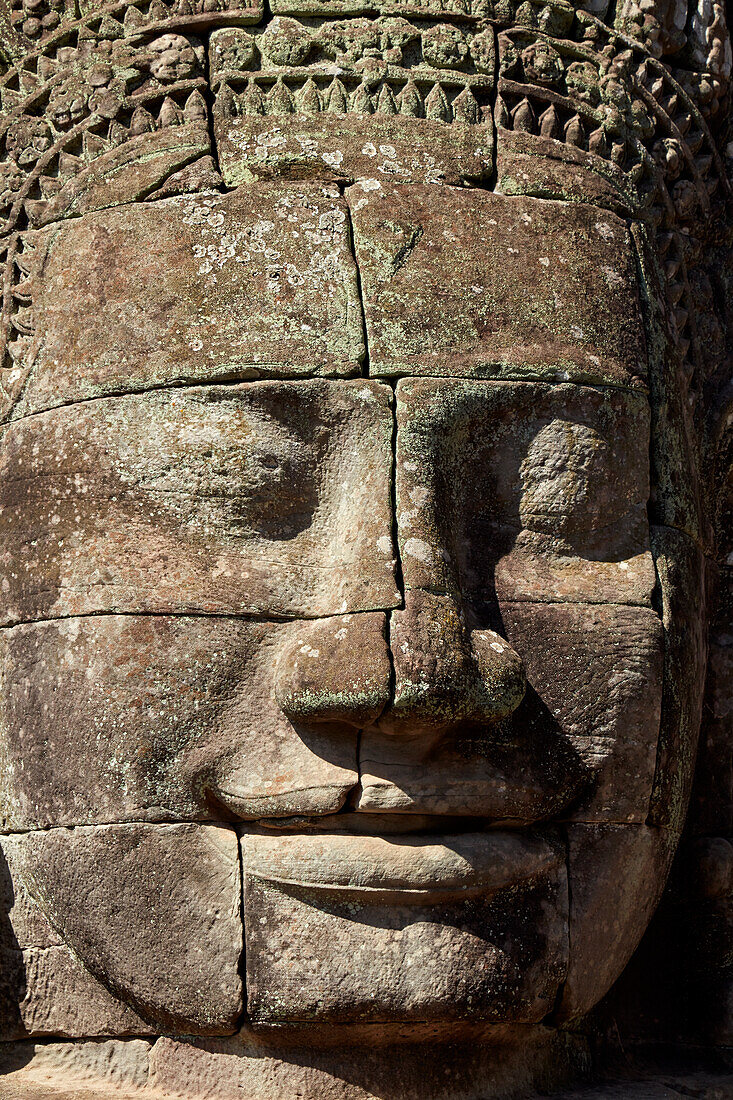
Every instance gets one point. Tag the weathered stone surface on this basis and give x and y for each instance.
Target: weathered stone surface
(44, 988)
(159, 924)
(473, 11)
(444, 676)
(541, 167)
(677, 494)
(444, 275)
(260, 282)
(583, 743)
(75, 1071)
(523, 491)
(626, 863)
(521, 774)
(114, 718)
(106, 117)
(263, 498)
(256, 1066)
(598, 674)
(683, 581)
(130, 173)
(335, 671)
(384, 98)
(459, 775)
(47, 991)
(407, 909)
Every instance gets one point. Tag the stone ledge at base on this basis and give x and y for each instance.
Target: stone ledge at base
(694, 1086)
(35, 1091)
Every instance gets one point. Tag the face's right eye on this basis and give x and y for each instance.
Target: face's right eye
(204, 500)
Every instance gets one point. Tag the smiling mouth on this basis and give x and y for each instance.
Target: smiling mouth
(369, 824)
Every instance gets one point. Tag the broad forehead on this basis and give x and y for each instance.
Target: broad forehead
(294, 280)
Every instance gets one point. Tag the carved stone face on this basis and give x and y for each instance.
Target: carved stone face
(342, 555)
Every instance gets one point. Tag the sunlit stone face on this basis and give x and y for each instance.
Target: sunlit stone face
(325, 534)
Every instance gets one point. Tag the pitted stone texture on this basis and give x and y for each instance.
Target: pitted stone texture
(346, 929)
(471, 11)
(93, 1070)
(445, 275)
(153, 911)
(378, 98)
(124, 717)
(597, 673)
(523, 491)
(44, 988)
(490, 1066)
(262, 498)
(616, 877)
(254, 284)
(684, 579)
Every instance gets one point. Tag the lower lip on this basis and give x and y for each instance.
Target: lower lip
(404, 869)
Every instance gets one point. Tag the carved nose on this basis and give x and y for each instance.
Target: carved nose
(445, 674)
(335, 670)
(338, 671)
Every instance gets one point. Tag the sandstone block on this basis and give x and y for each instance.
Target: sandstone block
(48, 992)
(444, 277)
(347, 929)
(684, 576)
(488, 1066)
(259, 499)
(531, 164)
(75, 1071)
(152, 911)
(253, 284)
(582, 743)
(520, 770)
(473, 11)
(125, 717)
(108, 119)
(44, 988)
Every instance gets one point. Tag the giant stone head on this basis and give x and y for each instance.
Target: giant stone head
(363, 387)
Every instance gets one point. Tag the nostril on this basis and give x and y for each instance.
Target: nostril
(335, 670)
(501, 673)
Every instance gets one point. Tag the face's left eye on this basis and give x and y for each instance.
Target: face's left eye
(537, 492)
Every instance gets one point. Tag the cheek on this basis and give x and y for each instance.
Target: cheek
(130, 717)
(597, 673)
